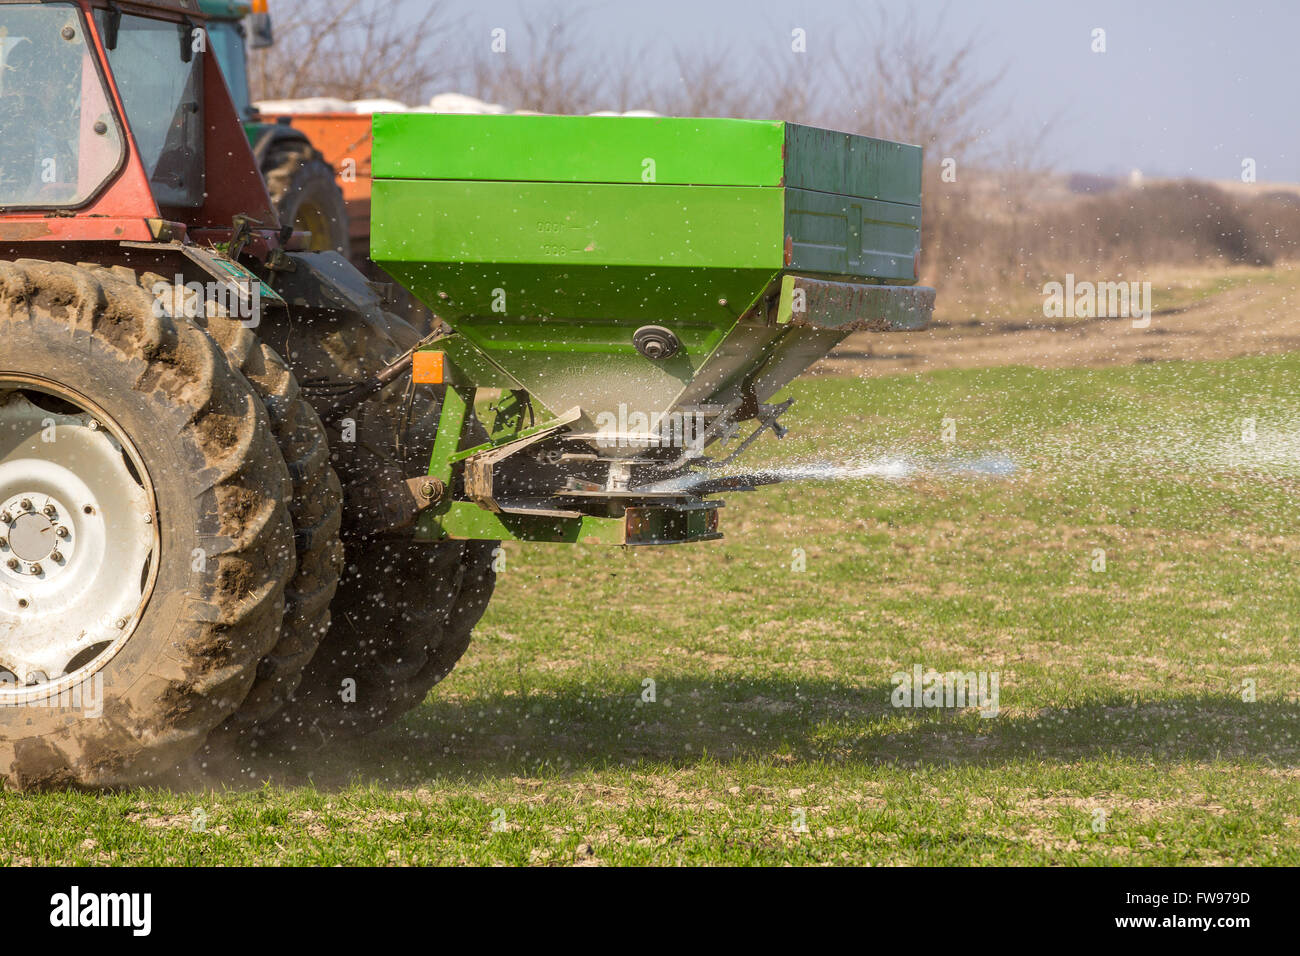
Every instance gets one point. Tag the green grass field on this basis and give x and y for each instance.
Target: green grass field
(1126, 732)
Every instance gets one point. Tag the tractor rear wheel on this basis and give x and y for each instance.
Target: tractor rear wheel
(302, 186)
(146, 544)
(315, 507)
(405, 611)
(402, 619)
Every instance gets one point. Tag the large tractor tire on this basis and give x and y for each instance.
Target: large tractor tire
(146, 541)
(306, 195)
(403, 617)
(404, 612)
(315, 506)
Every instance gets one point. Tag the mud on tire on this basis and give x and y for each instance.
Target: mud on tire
(212, 607)
(315, 507)
(404, 612)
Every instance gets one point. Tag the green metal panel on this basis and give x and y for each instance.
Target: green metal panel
(536, 290)
(852, 165)
(456, 403)
(465, 520)
(578, 149)
(591, 363)
(470, 366)
(557, 225)
(551, 278)
(848, 235)
(614, 149)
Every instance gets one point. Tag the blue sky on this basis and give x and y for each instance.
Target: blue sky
(1185, 88)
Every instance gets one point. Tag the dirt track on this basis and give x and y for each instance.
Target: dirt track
(1257, 314)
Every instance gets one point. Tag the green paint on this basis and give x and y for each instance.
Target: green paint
(456, 403)
(578, 224)
(468, 365)
(225, 9)
(833, 162)
(465, 520)
(502, 438)
(849, 236)
(547, 241)
(578, 149)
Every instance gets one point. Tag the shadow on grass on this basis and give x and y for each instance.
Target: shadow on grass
(570, 729)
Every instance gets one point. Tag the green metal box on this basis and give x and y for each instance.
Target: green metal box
(546, 241)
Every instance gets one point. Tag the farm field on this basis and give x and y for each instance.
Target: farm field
(1115, 545)
(1199, 313)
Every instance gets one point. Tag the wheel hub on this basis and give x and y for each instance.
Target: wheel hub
(35, 537)
(31, 537)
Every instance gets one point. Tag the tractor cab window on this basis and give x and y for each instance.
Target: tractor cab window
(59, 139)
(159, 75)
(227, 38)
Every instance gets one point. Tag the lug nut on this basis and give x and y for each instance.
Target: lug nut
(148, 519)
(25, 504)
(49, 510)
(6, 517)
(13, 564)
(92, 425)
(36, 569)
(56, 557)
(4, 542)
(121, 623)
(61, 531)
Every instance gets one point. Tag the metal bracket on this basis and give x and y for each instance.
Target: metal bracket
(767, 418)
(722, 428)
(479, 467)
(224, 269)
(391, 502)
(241, 232)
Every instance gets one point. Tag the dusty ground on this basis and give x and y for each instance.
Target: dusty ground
(1209, 314)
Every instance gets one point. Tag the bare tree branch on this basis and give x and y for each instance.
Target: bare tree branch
(549, 69)
(352, 49)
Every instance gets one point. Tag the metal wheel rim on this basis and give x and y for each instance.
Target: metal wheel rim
(80, 544)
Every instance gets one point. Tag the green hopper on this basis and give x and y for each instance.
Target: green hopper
(637, 288)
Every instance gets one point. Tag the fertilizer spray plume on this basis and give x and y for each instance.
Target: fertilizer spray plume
(886, 467)
(897, 468)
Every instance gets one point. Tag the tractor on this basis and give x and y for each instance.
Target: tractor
(316, 165)
(300, 180)
(242, 504)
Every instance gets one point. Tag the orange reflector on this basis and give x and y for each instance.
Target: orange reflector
(426, 368)
(637, 524)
